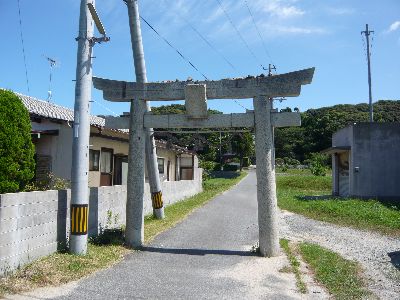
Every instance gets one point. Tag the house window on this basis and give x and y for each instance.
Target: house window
(106, 160)
(160, 162)
(94, 156)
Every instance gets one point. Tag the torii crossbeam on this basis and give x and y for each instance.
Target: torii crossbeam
(262, 89)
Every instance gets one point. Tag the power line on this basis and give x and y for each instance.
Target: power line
(169, 44)
(209, 44)
(240, 35)
(258, 32)
(23, 46)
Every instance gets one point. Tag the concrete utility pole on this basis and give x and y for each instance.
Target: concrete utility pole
(367, 33)
(140, 71)
(81, 132)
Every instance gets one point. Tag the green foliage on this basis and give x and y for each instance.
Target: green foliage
(243, 145)
(208, 167)
(340, 276)
(17, 152)
(302, 194)
(318, 125)
(318, 164)
(294, 264)
(230, 167)
(51, 182)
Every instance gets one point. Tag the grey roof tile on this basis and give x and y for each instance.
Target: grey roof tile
(49, 110)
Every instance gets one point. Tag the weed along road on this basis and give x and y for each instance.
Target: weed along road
(207, 256)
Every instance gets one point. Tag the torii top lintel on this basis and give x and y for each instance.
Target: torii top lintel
(283, 85)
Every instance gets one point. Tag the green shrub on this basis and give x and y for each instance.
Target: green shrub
(208, 167)
(51, 182)
(318, 164)
(17, 152)
(230, 167)
(246, 162)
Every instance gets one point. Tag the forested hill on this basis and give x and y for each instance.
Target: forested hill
(318, 125)
(316, 131)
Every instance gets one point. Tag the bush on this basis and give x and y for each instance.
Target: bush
(51, 182)
(230, 167)
(17, 152)
(246, 162)
(208, 167)
(318, 164)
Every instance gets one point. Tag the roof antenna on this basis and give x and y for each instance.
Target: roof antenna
(53, 63)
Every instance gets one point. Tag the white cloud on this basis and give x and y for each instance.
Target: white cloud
(282, 9)
(395, 26)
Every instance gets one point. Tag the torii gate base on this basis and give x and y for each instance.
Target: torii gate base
(264, 119)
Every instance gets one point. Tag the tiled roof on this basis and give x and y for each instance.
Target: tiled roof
(49, 110)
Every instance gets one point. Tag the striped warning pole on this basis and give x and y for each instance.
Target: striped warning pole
(81, 132)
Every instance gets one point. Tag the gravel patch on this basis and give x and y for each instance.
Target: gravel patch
(378, 255)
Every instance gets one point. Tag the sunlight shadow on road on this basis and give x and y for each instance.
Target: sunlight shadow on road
(199, 252)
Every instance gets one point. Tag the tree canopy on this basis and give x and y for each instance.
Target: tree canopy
(16, 149)
(314, 135)
(318, 125)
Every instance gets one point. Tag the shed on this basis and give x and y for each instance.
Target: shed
(366, 161)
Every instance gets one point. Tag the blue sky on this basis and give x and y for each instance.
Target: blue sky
(298, 34)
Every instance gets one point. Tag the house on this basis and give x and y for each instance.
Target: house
(366, 161)
(108, 149)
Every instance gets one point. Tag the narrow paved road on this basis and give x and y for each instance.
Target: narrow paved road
(207, 256)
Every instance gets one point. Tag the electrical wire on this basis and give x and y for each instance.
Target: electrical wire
(23, 46)
(258, 32)
(208, 43)
(240, 35)
(105, 107)
(169, 44)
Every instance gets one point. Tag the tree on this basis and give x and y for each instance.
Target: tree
(16, 149)
(243, 146)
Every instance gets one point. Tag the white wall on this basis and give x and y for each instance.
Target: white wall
(33, 225)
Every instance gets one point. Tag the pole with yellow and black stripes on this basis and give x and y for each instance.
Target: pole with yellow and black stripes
(81, 130)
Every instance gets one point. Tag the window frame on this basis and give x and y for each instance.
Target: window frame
(92, 156)
(163, 165)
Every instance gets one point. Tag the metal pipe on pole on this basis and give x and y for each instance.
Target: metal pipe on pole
(81, 132)
(140, 72)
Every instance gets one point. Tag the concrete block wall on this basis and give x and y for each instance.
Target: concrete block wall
(36, 224)
(32, 225)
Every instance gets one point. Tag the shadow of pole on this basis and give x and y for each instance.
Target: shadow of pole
(199, 252)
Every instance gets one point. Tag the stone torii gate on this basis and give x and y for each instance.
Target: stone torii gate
(263, 118)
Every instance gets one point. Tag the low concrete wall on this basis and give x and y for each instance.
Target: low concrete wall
(36, 224)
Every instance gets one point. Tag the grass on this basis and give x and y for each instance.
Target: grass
(106, 250)
(294, 265)
(304, 194)
(341, 277)
(60, 268)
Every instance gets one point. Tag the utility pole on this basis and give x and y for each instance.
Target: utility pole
(81, 132)
(270, 68)
(141, 77)
(367, 33)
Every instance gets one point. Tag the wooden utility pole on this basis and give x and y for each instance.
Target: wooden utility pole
(367, 33)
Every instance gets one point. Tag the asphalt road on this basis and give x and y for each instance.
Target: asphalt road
(207, 256)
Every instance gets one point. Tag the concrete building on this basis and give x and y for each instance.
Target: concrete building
(366, 161)
(108, 153)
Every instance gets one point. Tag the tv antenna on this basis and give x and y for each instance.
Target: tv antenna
(53, 63)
